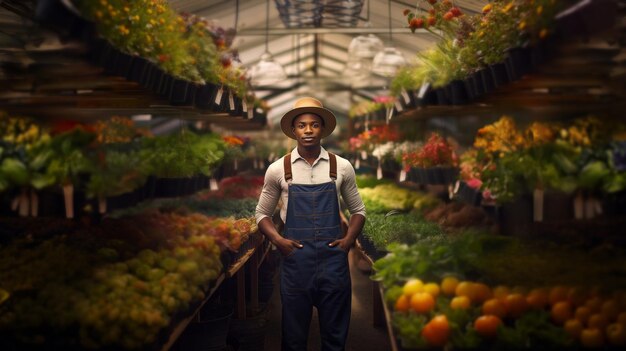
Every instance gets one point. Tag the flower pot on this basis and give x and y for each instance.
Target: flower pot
(220, 103)
(156, 75)
(442, 98)
(123, 64)
(557, 206)
(469, 195)
(487, 79)
(120, 202)
(479, 87)
(138, 69)
(165, 87)
(205, 95)
(457, 94)
(516, 217)
(499, 74)
(469, 88)
(98, 51)
(168, 187)
(518, 62)
(182, 93)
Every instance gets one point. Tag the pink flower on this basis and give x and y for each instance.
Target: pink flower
(474, 183)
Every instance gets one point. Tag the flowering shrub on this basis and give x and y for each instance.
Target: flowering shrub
(470, 42)
(435, 152)
(367, 140)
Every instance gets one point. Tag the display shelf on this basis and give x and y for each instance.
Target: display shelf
(182, 325)
(393, 343)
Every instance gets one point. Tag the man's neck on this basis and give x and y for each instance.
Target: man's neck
(310, 154)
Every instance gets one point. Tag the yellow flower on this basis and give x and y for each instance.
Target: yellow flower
(123, 30)
(522, 25)
(487, 8)
(161, 20)
(99, 14)
(539, 10)
(508, 7)
(126, 9)
(543, 33)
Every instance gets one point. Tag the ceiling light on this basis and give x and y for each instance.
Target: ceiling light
(387, 62)
(365, 46)
(266, 71)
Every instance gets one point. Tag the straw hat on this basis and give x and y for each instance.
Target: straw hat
(308, 105)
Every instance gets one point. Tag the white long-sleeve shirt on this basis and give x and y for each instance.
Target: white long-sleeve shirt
(276, 188)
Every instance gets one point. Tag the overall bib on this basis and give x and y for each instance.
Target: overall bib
(316, 274)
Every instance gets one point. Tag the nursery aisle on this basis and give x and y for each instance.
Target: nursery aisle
(362, 336)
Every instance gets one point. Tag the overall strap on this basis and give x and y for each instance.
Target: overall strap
(289, 175)
(287, 167)
(333, 165)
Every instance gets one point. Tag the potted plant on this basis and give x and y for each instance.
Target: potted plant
(436, 162)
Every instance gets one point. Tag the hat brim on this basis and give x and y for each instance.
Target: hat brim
(330, 121)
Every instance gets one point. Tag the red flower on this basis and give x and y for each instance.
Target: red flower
(406, 12)
(164, 58)
(448, 16)
(432, 12)
(456, 11)
(431, 21)
(416, 23)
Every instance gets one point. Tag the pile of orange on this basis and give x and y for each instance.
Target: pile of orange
(590, 318)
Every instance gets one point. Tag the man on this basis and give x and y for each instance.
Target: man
(315, 269)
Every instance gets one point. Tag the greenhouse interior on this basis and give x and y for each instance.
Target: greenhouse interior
(155, 159)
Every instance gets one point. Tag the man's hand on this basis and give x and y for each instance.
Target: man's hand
(287, 246)
(344, 243)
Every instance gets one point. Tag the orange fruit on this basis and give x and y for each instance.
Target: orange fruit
(402, 303)
(573, 327)
(494, 307)
(422, 302)
(616, 334)
(538, 298)
(610, 309)
(558, 294)
(500, 292)
(595, 304)
(465, 288)
(448, 285)
(437, 331)
(481, 292)
(582, 314)
(412, 286)
(460, 303)
(487, 326)
(597, 320)
(516, 305)
(561, 312)
(432, 288)
(592, 338)
(577, 296)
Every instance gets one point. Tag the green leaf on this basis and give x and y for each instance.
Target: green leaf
(15, 171)
(40, 181)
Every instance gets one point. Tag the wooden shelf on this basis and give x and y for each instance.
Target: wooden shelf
(182, 325)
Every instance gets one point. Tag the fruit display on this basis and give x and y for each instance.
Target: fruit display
(498, 292)
(117, 284)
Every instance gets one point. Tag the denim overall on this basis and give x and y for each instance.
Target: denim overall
(316, 274)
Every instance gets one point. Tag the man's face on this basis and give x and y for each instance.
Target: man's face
(308, 129)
